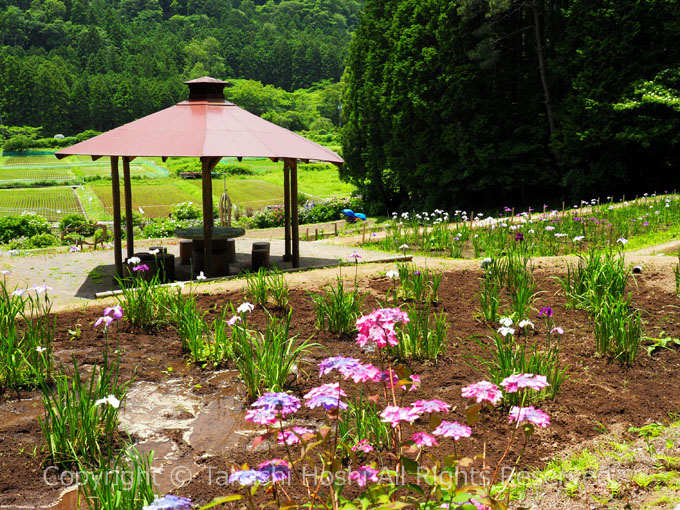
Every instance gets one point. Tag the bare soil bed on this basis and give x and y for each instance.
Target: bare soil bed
(598, 393)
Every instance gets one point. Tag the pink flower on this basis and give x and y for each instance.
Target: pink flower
(393, 415)
(454, 430)
(364, 474)
(363, 446)
(365, 373)
(513, 383)
(557, 330)
(141, 267)
(234, 320)
(294, 435)
(530, 414)
(378, 326)
(415, 383)
(424, 439)
(431, 406)
(261, 416)
(483, 391)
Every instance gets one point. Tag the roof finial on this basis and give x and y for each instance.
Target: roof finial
(207, 89)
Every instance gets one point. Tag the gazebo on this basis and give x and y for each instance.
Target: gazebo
(209, 127)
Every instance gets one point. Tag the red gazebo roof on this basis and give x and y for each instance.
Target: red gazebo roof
(205, 125)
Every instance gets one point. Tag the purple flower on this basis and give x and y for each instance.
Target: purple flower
(106, 320)
(340, 363)
(547, 311)
(327, 395)
(519, 237)
(283, 402)
(170, 502)
(141, 267)
(275, 469)
(354, 255)
(248, 477)
(363, 475)
(114, 311)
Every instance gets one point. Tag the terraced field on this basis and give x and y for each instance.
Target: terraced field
(52, 203)
(150, 199)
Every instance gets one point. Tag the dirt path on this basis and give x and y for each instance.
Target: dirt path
(75, 278)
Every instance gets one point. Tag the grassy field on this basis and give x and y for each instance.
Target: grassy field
(52, 203)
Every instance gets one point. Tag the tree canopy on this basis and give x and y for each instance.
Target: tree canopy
(72, 65)
(466, 103)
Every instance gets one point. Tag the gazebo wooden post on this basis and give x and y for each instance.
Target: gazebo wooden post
(207, 166)
(127, 187)
(117, 235)
(286, 210)
(294, 212)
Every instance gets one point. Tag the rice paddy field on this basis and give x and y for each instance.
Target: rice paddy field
(45, 168)
(150, 199)
(52, 202)
(154, 191)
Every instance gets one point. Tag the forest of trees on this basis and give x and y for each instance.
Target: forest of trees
(72, 65)
(467, 103)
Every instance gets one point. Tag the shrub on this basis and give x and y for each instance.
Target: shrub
(26, 225)
(186, 211)
(328, 210)
(43, 241)
(76, 221)
(18, 143)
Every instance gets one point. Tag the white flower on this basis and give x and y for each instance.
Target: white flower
(622, 240)
(201, 276)
(505, 321)
(154, 252)
(134, 260)
(5, 271)
(40, 349)
(579, 238)
(18, 292)
(550, 227)
(245, 307)
(39, 289)
(506, 331)
(526, 323)
(177, 284)
(111, 400)
(392, 274)
(404, 247)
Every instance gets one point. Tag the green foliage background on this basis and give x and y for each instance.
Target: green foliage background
(72, 65)
(445, 105)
